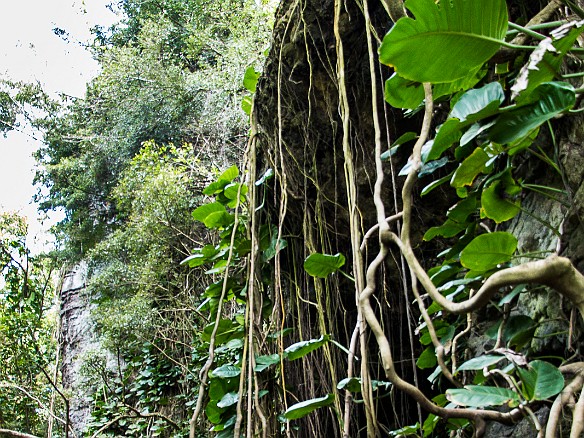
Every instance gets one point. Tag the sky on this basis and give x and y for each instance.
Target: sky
(30, 51)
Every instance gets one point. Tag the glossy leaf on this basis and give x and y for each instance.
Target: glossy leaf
(480, 103)
(478, 363)
(322, 265)
(225, 178)
(541, 380)
(351, 384)
(226, 372)
(482, 396)
(487, 251)
(300, 349)
(445, 41)
(228, 399)
(548, 100)
(263, 362)
(403, 93)
(304, 408)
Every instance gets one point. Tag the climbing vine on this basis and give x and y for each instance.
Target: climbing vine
(489, 93)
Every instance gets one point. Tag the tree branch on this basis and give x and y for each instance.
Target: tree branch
(13, 433)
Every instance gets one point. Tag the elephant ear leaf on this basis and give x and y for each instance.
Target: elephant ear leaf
(446, 40)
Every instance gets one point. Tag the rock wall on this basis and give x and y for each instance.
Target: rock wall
(77, 337)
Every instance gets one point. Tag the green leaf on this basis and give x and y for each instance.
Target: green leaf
(427, 358)
(300, 349)
(478, 104)
(225, 178)
(246, 104)
(495, 205)
(403, 93)
(487, 251)
(250, 79)
(322, 265)
(541, 380)
(468, 170)
(263, 362)
(547, 101)
(448, 229)
(230, 191)
(228, 399)
(202, 212)
(304, 408)
(226, 372)
(351, 384)
(447, 135)
(445, 41)
(482, 396)
(435, 184)
(478, 363)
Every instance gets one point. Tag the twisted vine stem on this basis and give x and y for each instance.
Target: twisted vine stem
(554, 271)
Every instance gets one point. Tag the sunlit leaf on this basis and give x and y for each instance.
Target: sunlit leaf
(468, 170)
(487, 251)
(445, 41)
(226, 372)
(495, 205)
(322, 265)
(250, 79)
(478, 363)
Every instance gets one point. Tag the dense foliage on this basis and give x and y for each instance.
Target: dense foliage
(215, 313)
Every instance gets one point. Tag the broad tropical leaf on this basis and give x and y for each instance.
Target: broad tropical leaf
(304, 408)
(541, 380)
(322, 265)
(299, 349)
(482, 396)
(546, 101)
(487, 251)
(445, 41)
(478, 363)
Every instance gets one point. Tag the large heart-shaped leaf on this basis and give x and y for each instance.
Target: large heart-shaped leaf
(322, 265)
(487, 251)
(446, 40)
(304, 408)
(496, 205)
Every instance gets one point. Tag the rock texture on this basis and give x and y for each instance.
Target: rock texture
(77, 337)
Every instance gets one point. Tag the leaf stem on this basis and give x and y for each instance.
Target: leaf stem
(526, 31)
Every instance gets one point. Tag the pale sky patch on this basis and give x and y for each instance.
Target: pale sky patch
(30, 51)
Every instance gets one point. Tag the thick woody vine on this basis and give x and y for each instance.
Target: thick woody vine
(493, 118)
(480, 109)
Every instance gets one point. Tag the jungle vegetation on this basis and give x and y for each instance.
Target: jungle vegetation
(309, 220)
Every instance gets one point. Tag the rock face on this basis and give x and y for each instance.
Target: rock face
(77, 337)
